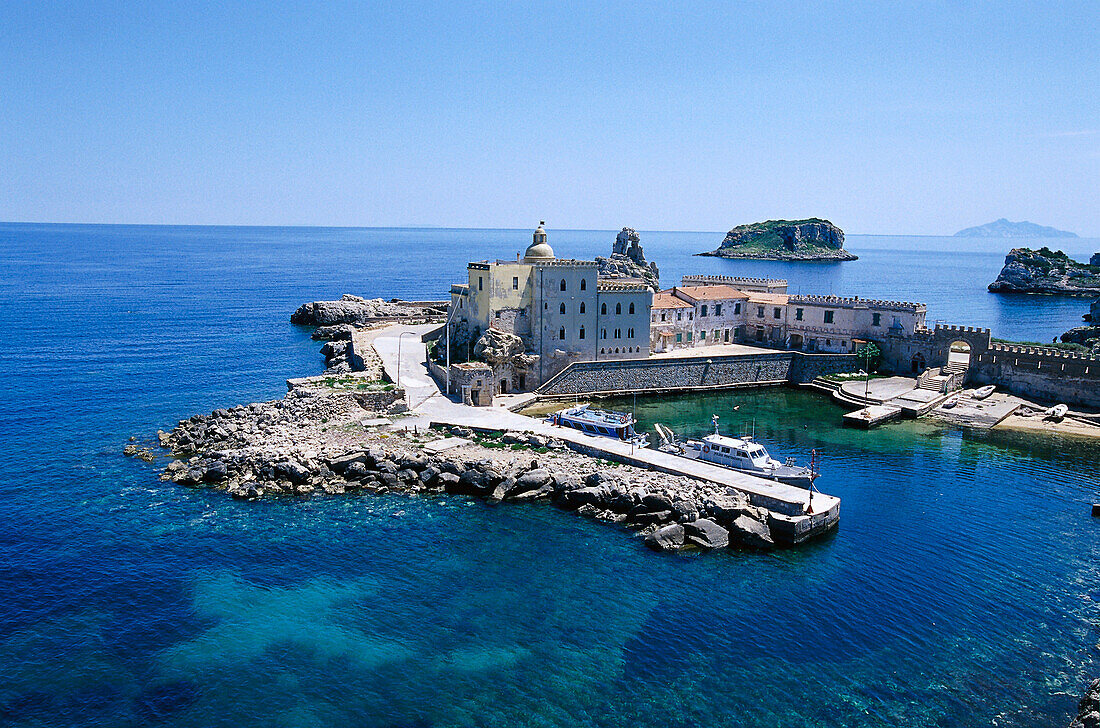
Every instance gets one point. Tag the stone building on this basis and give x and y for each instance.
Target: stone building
(558, 310)
(833, 323)
(690, 316)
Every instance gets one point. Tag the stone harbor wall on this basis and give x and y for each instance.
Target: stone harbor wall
(1038, 372)
(695, 373)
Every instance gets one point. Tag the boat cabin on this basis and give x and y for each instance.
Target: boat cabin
(735, 453)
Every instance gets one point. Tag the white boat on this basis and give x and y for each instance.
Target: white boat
(1057, 412)
(951, 402)
(982, 392)
(615, 425)
(736, 453)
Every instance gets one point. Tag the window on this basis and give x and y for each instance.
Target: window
(703, 334)
(828, 317)
(726, 336)
(580, 334)
(618, 308)
(630, 333)
(798, 314)
(603, 309)
(828, 342)
(703, 310)
(480, 283)
(584, 284)
(561, 308)
(582, 307)
(498, 314)
(759, 312)
(679, 338)
(662, 316)
(563, 284)
(716, 334)
(603, 334)
(691, 315)
(515, 283)
(618, 333)
(679, 315)
(737, 308)
(777, 313)
(717, 309)
(561, 333)
(631, 307)
(689, 336)
(876, 319)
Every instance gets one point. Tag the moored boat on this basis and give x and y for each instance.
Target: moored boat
(614, 425)
(983, 392)
(1057, 412)
(736, 453)
(951, 402)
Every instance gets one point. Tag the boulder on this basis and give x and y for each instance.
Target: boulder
(582, 496)
(533, 479)
(498, 347)
(343, 462)
(748, 531)
(215, 472)
(669, 538)
(706, 534)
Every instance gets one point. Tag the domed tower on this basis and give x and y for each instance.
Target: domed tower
(538, 251)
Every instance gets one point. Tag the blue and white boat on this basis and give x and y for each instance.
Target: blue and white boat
(615, 425)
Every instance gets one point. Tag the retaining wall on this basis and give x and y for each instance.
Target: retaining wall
(695, 373)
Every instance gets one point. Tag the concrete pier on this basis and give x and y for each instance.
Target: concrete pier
(799, 513)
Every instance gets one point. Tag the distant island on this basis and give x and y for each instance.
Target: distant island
(795, 240)
(1006, 229)
(1047, 271)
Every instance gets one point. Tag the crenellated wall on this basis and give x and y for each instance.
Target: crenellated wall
(1040, 372)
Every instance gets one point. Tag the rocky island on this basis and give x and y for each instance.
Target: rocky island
(628, 260)
(1004, 228)
(1047, 271)
(792, 240)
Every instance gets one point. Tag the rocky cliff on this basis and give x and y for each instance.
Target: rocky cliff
(628, 260)
(1088, 710)
(812, 239)
(1007, 229)
(356, 310)
(1046, 271)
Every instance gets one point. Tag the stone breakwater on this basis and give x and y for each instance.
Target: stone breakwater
(357, 310)
(1088, 710)
(314, 441)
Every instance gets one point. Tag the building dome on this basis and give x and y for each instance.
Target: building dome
(538, 250)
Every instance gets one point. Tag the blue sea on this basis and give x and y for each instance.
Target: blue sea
(960, 590)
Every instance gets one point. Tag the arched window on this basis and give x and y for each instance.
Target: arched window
(580, 334)
(618, 333)
(584, 284)
(561, 333)
(563, 284)
(630, 333)
(632, 307)
(561, 308)
(582, 302)
(618, 308)
(603, 309)
(603, 334)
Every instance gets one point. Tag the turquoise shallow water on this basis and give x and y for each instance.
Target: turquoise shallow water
(960, 590)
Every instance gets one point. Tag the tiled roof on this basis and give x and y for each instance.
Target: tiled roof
(665, 299)
(709, 293)
(777, 299)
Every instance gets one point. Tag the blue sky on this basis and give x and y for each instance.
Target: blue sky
(885, 117)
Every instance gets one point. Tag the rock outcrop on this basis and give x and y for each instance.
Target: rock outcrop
(1046, 271)
(1085, 335)
(1004, 228)
(811, 239)
(628, 260)
(1088, 710)
(356, 310)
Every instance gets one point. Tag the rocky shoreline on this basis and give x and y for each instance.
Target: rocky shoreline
(1088, 710)
(328, 440)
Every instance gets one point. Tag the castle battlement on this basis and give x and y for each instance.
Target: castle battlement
(612, 284)
(730, 281)
(853, 301)
(961, 329)
(1041, 352)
